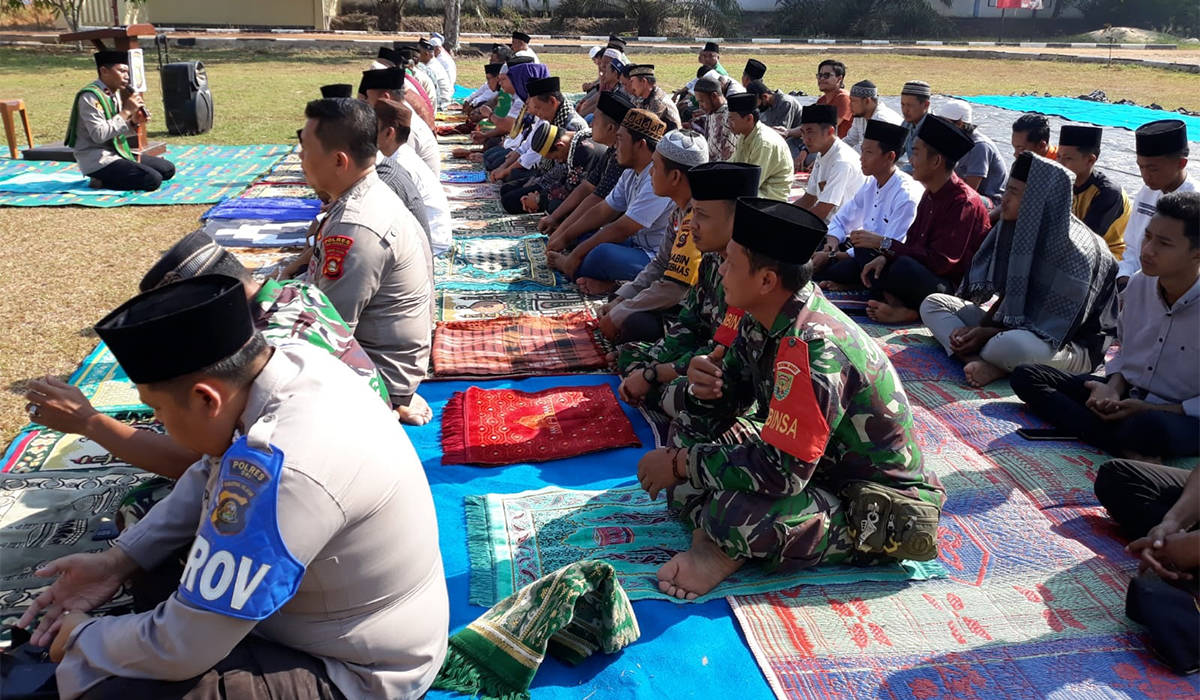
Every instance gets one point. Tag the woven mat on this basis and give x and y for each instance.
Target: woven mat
(106, 385)
(517, 346)
(515, 539)
(40, 449)
(852, 302)
(505, 225)
(476, 209)
(204, 174)
(496, 264)
(1034, 603)
(266, 189)
(485, 191)
(255, 233)
(470, 306)
(462, 176)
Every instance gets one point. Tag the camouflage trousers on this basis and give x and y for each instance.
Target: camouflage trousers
(788, 533)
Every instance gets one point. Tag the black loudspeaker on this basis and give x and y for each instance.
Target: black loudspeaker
(187, 102)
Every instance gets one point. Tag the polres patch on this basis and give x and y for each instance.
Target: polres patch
(336, 249)
(796, 422)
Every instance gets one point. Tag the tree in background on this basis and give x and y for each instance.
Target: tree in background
(450, 25)
(715, 16)
(69, 10)
(863, 18)
(1178, 17)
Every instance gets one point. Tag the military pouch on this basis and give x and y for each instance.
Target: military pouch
(882, 520)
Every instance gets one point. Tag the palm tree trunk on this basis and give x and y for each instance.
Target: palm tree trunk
(451, 24)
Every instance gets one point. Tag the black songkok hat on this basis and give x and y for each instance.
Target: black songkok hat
(1161, 138)
(337, 90)
(711, 46)
(614, 105)
(387, 54)
(945, 138)
(1080, 136)
(641, 70)
(891, 136)
(111, 58)
(755, 69)
(195, 254)
(492, 68)
(521, 36)
(758, 87)
(616, 42)
(518, 60)
(819, 114)
(743, 103)
(382, 79)
(702, 71)
(424, 44)
(723, 180)
(543, 86)
(1021, 166)
(781, 231)
(543, 139)
(178, 328)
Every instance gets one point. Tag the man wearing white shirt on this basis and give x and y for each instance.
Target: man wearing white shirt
(442, 56)
(395, 121)
(388, 84)
(520, 46)
(441, 81)
(883, 208)
(836, 174)
(1162, 157)
(865, 106)
(484, 93)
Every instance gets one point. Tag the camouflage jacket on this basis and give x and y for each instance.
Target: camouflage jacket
(837, 410)
(293, 310)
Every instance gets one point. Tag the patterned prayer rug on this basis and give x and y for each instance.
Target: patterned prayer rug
(47, 516)
(853, 302)
(287, 172)
(204, 174)
(266, 189)
(266, 263)
(455, 140)
(40, 449)
(514, 539)
(476, 209)
(492, 427)
(517, 345)
(486, 190)
(1033, 606)
(106, 385)
(469, 306)
(506, 225)
(265, 209)
(252, 233)
(451, 176)
(514, 264)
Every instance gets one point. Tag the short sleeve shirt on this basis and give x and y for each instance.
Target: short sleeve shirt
(984, 160)
(836, 175)
(634, 196)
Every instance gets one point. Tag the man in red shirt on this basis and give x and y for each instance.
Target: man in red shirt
(951, 223)
(831, 81)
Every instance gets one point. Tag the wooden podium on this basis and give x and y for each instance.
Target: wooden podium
(124, 39)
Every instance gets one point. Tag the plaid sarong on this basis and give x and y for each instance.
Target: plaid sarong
(516, 345)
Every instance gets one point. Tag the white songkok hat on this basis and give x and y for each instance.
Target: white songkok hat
(956, 110)
(594, 50)
(684, 147)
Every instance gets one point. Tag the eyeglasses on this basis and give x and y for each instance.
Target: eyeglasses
(825, 76)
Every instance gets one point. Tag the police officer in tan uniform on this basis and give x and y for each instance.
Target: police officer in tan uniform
(371, 257)
(313, 569)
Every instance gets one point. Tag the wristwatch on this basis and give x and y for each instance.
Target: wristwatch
(650, 374)
(885, 245)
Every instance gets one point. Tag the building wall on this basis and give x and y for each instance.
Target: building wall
(307, 14)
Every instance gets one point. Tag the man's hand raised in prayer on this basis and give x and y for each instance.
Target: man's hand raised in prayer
(704, 375)
(873, 270)
(85, 582)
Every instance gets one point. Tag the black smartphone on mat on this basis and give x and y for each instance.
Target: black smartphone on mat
(1045, 434)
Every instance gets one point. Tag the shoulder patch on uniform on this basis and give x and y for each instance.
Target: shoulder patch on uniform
(336, 247)
(796, 421)
(727, 332)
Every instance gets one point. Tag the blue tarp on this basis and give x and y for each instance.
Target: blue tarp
(1077, 110)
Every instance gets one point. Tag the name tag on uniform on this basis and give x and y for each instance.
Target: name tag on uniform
(684, 265)
(795, 421)
(727, 332)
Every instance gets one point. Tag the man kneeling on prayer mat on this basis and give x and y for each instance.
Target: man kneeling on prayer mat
(833, 472)
(656, 374)
(313, 571)
(283, 312)
(371, 257)
(103, 116)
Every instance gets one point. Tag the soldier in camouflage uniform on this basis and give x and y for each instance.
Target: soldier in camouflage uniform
(655, 372)
(834, 473)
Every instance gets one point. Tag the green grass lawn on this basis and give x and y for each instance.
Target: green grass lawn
(62, 269)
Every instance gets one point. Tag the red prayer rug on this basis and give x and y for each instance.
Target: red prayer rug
(492, 427)
(517, 345)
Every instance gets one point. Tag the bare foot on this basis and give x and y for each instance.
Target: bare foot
(697, 571)
(980, 373)
(556, 259)
(886, 313)
(593, 287)
(475, 157)
(417, 412)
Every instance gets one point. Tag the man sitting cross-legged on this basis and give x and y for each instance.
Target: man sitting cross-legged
(282, 311)
(370, 254)
(1056, 282)
(833, 472)
(655, 375)
(884, 207)
(632, 220)
(951, 222)
(1147, 406)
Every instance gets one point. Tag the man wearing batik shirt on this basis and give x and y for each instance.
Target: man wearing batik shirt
(1098, 202)
(827, 468)
(884, 207)
(282, 311)
(656, 375)
(951, 224)
(717, 133)
(650, 97)
(637, 312)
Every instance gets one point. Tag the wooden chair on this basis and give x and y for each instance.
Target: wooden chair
(7, 109)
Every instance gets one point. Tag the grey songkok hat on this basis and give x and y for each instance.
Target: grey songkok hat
(686, 148)
(864, 88)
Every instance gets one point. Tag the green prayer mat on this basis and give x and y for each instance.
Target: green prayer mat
(496, 263)
(512, 539)
(203, 175)
(470, 306)
(105, 384)
(570, 613)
